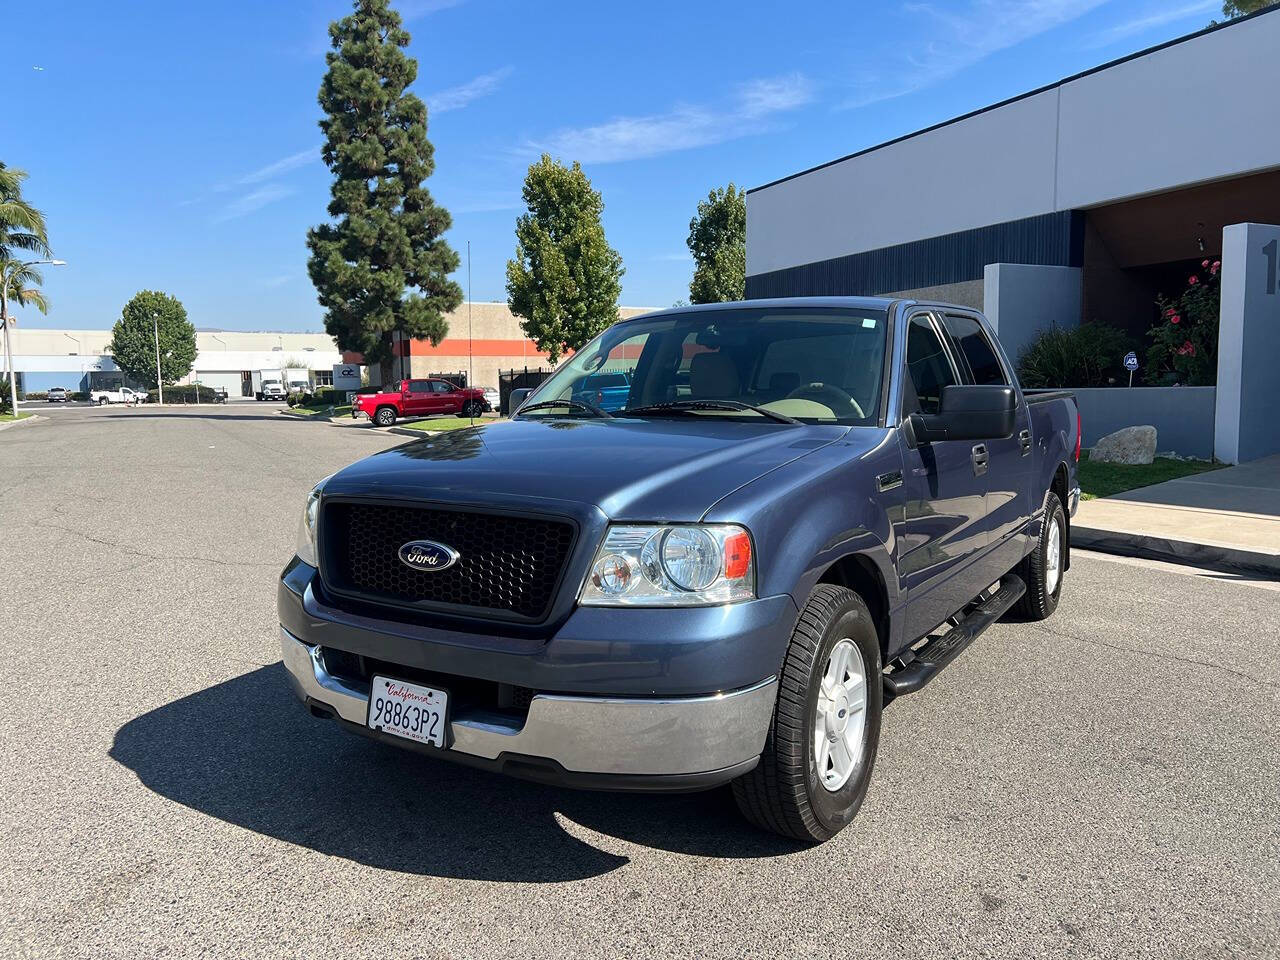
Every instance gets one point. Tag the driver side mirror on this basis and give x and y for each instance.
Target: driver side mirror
(518, 396)
(968, 412)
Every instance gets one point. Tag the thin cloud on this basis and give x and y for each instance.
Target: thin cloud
(455, 98)
(952, 41)
(413, 9)
(684, 127)
(1139, 25)
(277, 281)
(252, 202)
(283, 165)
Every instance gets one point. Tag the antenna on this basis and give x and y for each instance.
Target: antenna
(471, 377)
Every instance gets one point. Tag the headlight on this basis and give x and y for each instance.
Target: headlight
(307, 552)
(677, 566)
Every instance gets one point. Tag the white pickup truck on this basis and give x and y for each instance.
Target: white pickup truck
(123, 395)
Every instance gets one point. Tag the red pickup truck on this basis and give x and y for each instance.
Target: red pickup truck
(419, 398)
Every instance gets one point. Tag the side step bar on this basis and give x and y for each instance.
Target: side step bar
(915, 668)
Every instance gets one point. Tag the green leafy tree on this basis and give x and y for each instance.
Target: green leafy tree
(133, 338)
(718, 242)
(565, 279)
(387, 234)
(1240, 8)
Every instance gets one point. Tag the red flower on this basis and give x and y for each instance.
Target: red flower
(1205, 264)
(1193, 280)
(1215, 267)
(1175, 319)
(1187, 349)
(1171, 312)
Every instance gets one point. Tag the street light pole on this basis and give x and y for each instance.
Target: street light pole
(11, 361)
(155, 325)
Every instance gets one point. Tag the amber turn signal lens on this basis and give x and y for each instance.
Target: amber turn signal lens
(737, 556)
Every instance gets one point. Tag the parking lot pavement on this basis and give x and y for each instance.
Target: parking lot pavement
(1102, 784)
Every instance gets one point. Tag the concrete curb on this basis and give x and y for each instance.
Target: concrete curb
(1152, 547)
(406, 432)
(34, 418)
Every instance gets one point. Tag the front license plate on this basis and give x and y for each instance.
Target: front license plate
(409, 710)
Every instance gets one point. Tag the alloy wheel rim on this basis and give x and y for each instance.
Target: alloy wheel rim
(1053, 557)
(840, 716)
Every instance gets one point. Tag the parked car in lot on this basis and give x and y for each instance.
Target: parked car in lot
(608, 391)
(492, 398)
(56, 395)
(419, 398)
(122, 395)
(801, 510)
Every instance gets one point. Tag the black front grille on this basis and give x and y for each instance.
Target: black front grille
(506, 565)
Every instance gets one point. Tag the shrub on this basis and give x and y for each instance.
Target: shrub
(183, 393)
(1184, 342)
(38, 395)
(1090, 355)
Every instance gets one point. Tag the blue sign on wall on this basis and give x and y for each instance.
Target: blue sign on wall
(1131, 361)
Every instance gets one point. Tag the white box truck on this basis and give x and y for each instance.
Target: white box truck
(268, 385)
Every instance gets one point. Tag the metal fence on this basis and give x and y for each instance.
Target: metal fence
(458, 379)
(513, 379)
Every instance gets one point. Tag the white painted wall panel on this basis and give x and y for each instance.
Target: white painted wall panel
(1200, 110)
(939, 182)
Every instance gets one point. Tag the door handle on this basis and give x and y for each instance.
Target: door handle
(979, 457)
(889, 481)
(1025, 439)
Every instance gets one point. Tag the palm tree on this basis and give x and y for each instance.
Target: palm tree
(22, 237)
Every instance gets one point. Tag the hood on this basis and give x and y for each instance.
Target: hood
(642, 470)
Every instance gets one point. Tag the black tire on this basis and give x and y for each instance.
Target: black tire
(384, 416)
(474, 408)
(783, 793)
(1039, 601)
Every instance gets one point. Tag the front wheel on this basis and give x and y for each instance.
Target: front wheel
(473, 408)
(1042, 569)
(821, 745)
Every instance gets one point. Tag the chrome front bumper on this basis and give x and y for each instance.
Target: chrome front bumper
(589, 735)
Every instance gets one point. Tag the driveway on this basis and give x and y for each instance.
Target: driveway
(1101, 784)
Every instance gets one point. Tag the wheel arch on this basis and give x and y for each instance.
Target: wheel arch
(859, 573)
(1059, 485)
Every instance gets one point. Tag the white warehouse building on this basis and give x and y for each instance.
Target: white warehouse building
(79, 360)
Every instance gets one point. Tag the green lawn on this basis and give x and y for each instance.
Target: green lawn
(9, 417)
(444, 423)
(1104, 479)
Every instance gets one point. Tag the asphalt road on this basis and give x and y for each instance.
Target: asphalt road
(1104, 784)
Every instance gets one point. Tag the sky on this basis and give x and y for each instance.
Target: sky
(175, 146)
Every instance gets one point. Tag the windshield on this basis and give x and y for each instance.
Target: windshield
(813, 365)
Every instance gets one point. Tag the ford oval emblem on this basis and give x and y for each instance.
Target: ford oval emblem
(427, 555)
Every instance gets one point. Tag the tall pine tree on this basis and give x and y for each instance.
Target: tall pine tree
(382, 265)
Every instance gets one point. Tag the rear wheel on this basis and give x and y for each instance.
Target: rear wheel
(821, 746)
(385, 416)
(1042, 569)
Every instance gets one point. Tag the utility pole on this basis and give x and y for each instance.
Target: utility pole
(155, 325)
(471, 373)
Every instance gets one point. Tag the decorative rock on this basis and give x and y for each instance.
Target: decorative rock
(1132, 445)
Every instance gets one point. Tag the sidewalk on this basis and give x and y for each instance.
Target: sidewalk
(1226, 518)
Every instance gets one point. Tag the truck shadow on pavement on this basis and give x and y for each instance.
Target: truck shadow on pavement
(246, 752)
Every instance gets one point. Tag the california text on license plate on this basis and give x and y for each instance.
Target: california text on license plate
(409, 710)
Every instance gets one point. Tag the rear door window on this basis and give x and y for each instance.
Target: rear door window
(978, 353)
(419, 386)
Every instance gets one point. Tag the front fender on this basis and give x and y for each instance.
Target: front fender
(818, 510)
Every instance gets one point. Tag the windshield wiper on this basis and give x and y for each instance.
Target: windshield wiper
(545, 404)
(682, 406)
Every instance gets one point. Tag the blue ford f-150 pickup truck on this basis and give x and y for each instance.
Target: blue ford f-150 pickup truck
(801, 510)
